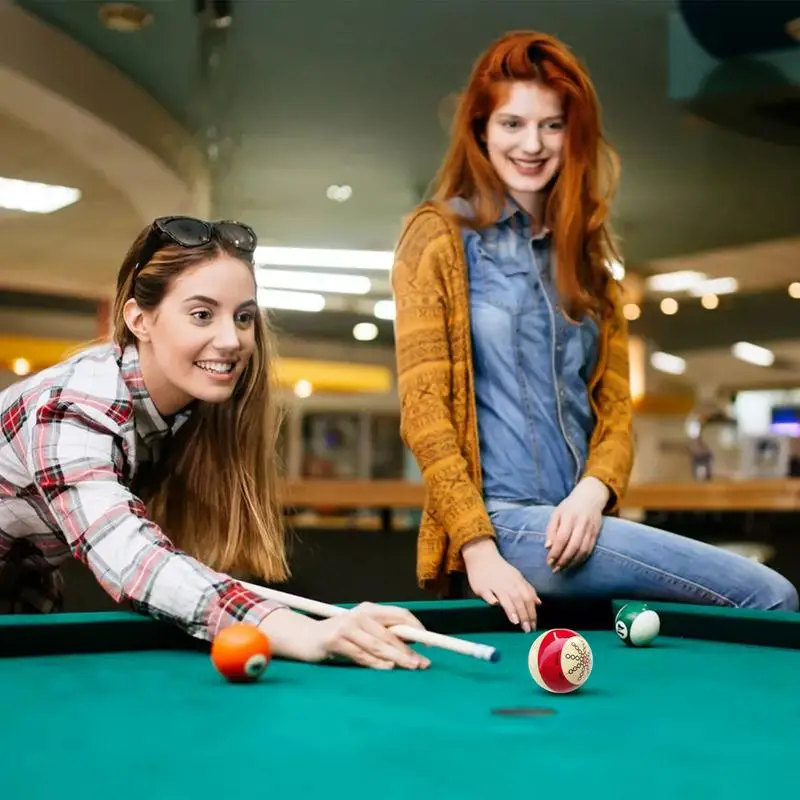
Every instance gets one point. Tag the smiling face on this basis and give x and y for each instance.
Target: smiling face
(198, 341)
(525, 140)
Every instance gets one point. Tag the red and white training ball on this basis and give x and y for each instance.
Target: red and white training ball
(560, 660)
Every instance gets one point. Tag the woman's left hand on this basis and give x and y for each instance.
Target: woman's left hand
(575, 525)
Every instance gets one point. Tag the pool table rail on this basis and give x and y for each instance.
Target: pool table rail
(93, 632)
(121, 631)
(723, 624)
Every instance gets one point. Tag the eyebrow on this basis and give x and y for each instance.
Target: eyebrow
(201, 298)
(553, 118)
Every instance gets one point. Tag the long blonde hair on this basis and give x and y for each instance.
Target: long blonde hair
(215, 493)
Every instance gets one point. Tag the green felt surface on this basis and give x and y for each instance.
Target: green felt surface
(684, 718)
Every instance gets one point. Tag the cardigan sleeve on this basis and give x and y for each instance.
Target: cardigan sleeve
(611, 452)
(424, 258)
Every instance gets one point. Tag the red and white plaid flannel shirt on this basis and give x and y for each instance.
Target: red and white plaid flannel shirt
(71, 440)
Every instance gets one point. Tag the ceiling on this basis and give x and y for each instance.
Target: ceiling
(103, 222)
(714, 367)
(318, 92)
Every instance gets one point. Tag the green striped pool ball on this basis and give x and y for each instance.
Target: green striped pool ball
(636, 624)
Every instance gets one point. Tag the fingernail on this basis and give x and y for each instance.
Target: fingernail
(515, 619)
(526, 627)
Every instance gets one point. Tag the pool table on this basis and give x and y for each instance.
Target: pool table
(118, 705)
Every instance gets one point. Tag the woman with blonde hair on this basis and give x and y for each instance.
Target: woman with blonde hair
(512, 354)
(152, 459)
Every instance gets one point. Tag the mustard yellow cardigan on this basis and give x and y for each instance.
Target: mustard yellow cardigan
(437, 393)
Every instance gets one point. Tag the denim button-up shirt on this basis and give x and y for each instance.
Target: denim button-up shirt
(532, 366)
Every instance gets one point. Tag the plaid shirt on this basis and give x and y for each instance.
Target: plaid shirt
(72, 438)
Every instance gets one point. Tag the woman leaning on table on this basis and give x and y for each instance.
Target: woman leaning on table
(152, 459)
(512, 356)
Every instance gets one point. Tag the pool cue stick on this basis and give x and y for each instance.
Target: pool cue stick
(483, 652)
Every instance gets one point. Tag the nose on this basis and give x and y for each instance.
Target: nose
(226, 336)
(532, 141)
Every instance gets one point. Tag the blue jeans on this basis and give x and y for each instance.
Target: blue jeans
(639, 561)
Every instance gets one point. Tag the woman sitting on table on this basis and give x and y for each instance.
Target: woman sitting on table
(152, 459)
(512, 355)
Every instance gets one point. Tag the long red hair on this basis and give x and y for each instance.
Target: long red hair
(579, 202)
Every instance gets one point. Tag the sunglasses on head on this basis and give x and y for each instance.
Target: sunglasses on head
(191, 232)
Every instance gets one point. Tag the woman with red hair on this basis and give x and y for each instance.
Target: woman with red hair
(512, 354)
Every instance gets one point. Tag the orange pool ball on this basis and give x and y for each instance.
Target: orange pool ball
(241, 653)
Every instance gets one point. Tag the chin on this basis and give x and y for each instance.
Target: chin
(540, 183)
(214, 395)
(206, 392)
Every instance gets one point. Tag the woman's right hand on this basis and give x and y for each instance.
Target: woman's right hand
(496, 581)
(362, 635)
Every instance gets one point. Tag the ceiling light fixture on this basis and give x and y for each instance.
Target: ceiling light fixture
(324, 258)
(365, 331)
(339, 194)
(715, 286)
(794, 290)
(303, 388)
(384, 309)
(35, 198)
(631, 311)
(21, 366)
(290, 301)
(669, 306)
(666, 362)
(680, 281)
(332, 282)
(753, 354)
(709, 301)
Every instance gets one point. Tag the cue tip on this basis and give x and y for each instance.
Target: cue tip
(495, 656)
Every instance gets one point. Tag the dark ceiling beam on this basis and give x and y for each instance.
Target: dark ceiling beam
(37, 301)
(762, 317)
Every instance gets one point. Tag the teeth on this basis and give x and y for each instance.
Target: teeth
(218, 367)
